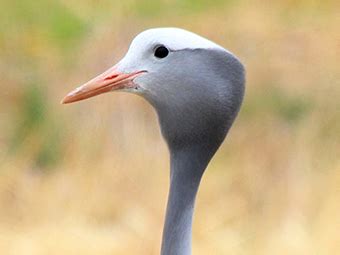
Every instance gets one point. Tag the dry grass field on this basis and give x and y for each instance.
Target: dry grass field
(92, 178)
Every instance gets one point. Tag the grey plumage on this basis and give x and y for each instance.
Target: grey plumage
(195, 117)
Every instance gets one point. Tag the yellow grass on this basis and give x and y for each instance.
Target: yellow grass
(100, 183)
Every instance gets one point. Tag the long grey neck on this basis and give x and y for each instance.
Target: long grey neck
(187, 167)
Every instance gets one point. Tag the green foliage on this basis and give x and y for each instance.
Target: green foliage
(156, 8)
(35, 130)
(200, 5)
(50, 150)
(64, 26)
(149, 8)
(47, 19)
(32, 111)
(289, 108)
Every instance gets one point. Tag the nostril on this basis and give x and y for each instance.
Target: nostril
(111, 77)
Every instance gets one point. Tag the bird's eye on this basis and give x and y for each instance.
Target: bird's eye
(161, 52)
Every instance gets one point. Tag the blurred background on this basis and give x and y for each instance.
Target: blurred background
(92, 178)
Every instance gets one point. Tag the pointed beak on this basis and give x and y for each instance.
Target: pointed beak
(108, 81)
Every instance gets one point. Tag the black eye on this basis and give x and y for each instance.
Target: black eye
(161, 52)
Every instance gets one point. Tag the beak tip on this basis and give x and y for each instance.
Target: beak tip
(64, 100)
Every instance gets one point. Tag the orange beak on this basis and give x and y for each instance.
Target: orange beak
(108, 81)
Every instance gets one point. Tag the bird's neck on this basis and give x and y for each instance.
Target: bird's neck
(187, 167)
